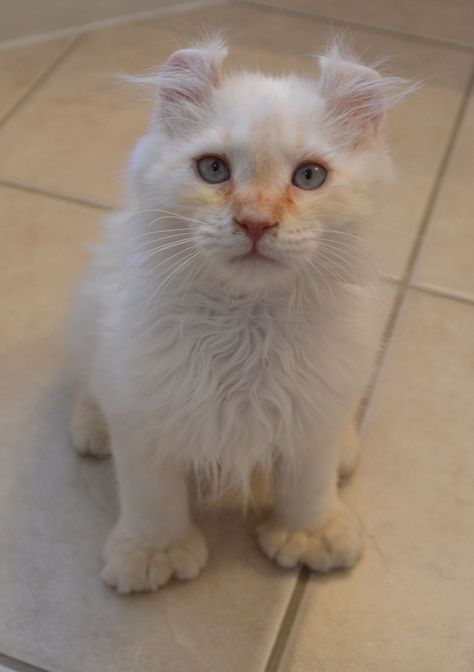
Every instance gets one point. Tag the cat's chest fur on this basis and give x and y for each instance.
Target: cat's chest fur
(227, 381)
(206, 350)
(214, 374)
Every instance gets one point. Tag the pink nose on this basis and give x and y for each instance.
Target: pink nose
(255, 229)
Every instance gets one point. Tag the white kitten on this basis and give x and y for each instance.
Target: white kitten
(224, 322)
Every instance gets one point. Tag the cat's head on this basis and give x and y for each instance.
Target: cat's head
(257, 173)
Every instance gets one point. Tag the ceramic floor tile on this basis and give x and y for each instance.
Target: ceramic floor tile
(408, 605)
(437, 19)
(89, 122)
(32, 18)
(447, 258)
(58, 508)
(55, 611)
(20, 66)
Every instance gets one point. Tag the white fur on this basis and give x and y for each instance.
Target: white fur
(191, 359)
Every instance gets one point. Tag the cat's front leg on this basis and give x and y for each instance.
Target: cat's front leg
(311, 526)
(154, 538)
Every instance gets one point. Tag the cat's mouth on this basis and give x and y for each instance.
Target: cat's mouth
(255, 256)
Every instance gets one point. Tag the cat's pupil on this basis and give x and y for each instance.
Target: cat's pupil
(215, 166)
(308, 173)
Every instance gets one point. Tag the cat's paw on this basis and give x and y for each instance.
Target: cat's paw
(88, 428)
(136, 566)
(336, 545)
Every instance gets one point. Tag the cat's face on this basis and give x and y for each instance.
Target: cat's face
(261, 172)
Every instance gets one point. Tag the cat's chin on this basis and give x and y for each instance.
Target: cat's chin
(253, 272)
(253, 259)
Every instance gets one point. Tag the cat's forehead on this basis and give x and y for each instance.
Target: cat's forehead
(280, 106)
(266, 120)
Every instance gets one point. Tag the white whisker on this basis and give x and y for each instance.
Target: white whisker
(321, 274)
(156, 250)
(346, 256)
(170, 213)
(154, 232)
(155, 268)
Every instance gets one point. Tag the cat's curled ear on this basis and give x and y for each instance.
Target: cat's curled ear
(355, 97)
(186, 82)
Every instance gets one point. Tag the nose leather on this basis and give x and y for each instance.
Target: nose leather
(255, 228)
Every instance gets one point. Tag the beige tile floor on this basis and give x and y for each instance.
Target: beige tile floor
(65, 128)
(430, 19)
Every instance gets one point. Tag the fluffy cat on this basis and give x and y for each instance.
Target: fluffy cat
(224, 323)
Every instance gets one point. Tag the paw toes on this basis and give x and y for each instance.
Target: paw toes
(318, 557)
(126, 571)
(337, 545)
(133, 566)
(188, 556)
(280, 545)
(160, 571)
(291, 552)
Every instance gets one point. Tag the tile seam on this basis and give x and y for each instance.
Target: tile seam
(433, 41)
(40, 79)
(441, 293)
(59, 197)
(433, 197)
(18, 665)
(302, 579)
(296, 598)
(111, 22)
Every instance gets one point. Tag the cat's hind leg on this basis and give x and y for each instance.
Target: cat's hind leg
(88, 427)
(349, 448)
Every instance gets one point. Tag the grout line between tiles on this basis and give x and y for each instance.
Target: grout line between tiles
(304, 575)
(38, 81)
(406, 281)
(296, 598)
(60, 197)
(441, 293)
(301, 13)
(362, 409)
(386, 340)
(288, 619)
(16, 665)
(435, 191)
(112, 22)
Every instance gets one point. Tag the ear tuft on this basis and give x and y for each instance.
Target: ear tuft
(191, 74)
(184, 84)
(356, 96)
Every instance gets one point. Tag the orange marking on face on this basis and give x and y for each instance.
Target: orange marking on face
(207, 195)
(262, 197)
(262, 203)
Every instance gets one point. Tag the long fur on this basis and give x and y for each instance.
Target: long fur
(212, 365)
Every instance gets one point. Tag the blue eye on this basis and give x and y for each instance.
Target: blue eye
(212, 169)
(309, 176)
